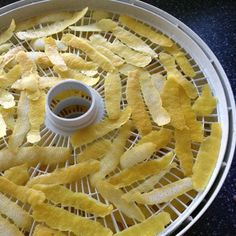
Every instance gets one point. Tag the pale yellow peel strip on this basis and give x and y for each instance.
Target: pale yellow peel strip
(183, 150)
(48, 82)
(9, 117)
(41, 230)
(67, 175)
(6, 99)
(141, 171)
(13, 211)
(45, 18)
(130, 56)
(115, 60)
(158, 81)
(26, 64)
(205, 103)
(75, 74)
(29, 80)
(18, 175)
(7, 79)
(36, 118)
(181, 60)
(10, 56)
(22, 125)
(112, 158)
(153, 101)
(8, 229)
(22, 193)
(146, 31)
(171, 102)
(59, 194)
(95, 151)
(160, 138)
(51, 29)
(93, 54)
(58, 218)
(140, 116)
(168, 61)
(7, 34)
(53, 54)
(195, 126)
(112, 88)
(114, 196)
(150, 227)
(89, 134)
(206, 158)
(149, 183)
(126, 37)
(75, 62)
(137, 154)
(165, 193)
(32, 156)
(5, 47)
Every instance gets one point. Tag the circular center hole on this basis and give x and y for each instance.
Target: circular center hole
(70, 104)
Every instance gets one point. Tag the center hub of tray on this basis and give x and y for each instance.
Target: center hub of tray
(72, 105)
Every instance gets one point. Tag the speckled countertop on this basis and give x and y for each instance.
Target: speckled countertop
(215, 22)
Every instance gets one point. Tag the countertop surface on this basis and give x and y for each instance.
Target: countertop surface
(215, 22)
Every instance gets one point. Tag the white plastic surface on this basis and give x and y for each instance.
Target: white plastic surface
(65, 125)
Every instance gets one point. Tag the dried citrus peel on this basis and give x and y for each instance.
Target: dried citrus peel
(45, 231)
(53, 28)
(163, 194)
(7, 34)
(59, 194)
(153, 101)
(168, 61)
(18, 174)
(6, 99)
(114, 196)
(22, 193)
(137, 154)
(126, 37)
(8, 229)
(149, 183)
(53, 54)
(63, 220)
(112, 158)
(95, 151)
(150, 227)
(140, 171)
(183, 150)
(140, 116)
(130, 56)
(171, 102)
(20, 217)
(205, 103)
(32, 156)
(22, 125)
(66, 175)
(112, 87)
(207, 158)
(146, 31)
(83, 44)
(89, 134)
(36, 118)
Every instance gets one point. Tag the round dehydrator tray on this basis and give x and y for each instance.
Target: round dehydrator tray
(208, 70)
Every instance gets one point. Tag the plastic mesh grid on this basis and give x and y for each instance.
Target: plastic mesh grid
(117, 221)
